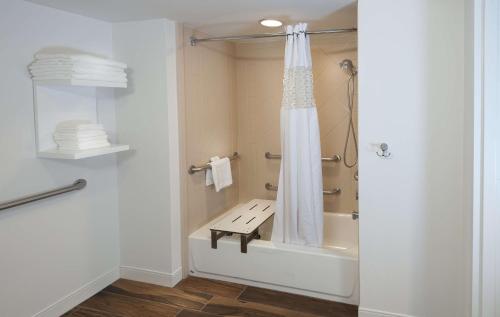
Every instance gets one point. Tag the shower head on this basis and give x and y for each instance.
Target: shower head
(348, 67)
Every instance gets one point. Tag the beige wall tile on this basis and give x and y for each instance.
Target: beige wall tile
(232, 102)
(259, 73)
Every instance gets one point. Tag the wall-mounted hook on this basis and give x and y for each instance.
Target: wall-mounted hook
(384, 151)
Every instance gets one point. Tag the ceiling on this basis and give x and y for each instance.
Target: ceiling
(217, 17)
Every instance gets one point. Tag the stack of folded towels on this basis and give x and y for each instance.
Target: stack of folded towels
(77, 66)
(77, 135)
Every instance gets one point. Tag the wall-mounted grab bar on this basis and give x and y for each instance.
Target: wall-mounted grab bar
(78, 184)
(335, 158)
(193, 169)
(334, 191)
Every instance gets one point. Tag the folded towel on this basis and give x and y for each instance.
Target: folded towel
(81, 77)
(209, 180)
(78, 125)
(35, 71)
(75, 134)
(60, 57)
(99, 138)
(77, 67)
(221, 173)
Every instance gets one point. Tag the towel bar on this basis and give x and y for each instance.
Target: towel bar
(335, 158)
(193, 169)
(78, 184)
(334, 191)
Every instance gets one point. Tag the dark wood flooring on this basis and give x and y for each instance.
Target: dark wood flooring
(197, 297)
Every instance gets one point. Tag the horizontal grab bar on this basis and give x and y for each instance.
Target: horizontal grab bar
(334, 191)
(77, 185)
(193, 169)
(335, 158)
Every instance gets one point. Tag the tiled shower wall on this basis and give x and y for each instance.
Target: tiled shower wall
(210, 125)
(259, 74)
(232, 99)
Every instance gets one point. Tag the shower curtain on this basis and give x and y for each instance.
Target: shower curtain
(299, 206)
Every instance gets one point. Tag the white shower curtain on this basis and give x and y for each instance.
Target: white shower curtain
(299, 207)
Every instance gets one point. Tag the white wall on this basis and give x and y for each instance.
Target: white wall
(54, 247)
(411, 95)
(149, 174)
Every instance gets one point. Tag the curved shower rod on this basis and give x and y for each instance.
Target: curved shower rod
(195, 40)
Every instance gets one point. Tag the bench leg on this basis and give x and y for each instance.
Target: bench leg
(246, 238)
(216, 236)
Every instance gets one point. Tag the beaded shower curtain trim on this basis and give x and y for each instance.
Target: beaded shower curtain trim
(298, 88)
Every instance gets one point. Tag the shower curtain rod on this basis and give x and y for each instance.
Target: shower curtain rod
(195, 40)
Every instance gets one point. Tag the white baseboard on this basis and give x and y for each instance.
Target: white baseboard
(366, 312)
(81, 294)
(151, 276)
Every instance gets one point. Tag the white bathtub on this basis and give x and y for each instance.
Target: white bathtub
(330, 272)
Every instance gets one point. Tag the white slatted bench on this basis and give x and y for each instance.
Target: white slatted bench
(245, 221)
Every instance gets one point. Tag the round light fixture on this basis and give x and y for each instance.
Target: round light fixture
(270, 23)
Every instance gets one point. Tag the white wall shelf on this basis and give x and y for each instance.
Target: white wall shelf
(55, 101)
(79, 82)
(76, 155)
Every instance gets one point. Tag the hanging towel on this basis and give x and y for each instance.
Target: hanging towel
(209, 180)
(221, 173)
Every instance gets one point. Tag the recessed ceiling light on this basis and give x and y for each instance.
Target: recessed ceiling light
(271, 23)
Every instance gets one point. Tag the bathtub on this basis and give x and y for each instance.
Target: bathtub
(329, 273)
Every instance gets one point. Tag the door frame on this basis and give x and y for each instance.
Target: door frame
(485, 218)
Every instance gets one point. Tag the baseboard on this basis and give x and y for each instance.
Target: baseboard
(81, 294)
(151, 276)
(366, 312)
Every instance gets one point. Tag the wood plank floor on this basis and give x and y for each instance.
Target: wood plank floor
(197, 297)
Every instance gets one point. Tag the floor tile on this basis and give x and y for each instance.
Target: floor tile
(212, 287)
(129, 306)
(224, 306)
(296, 302)
(155, 293)
(194, 313)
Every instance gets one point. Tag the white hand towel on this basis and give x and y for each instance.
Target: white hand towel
(78, 126)
(209, 180)
(221, 173)
(61, 57)
(58, 135)
(112, 79)
(80, 68)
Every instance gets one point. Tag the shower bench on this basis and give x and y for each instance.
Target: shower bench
(244, 220)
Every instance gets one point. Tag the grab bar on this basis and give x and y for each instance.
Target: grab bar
(335, 158)
(77, 185)
(193, 169)
(334, 191)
